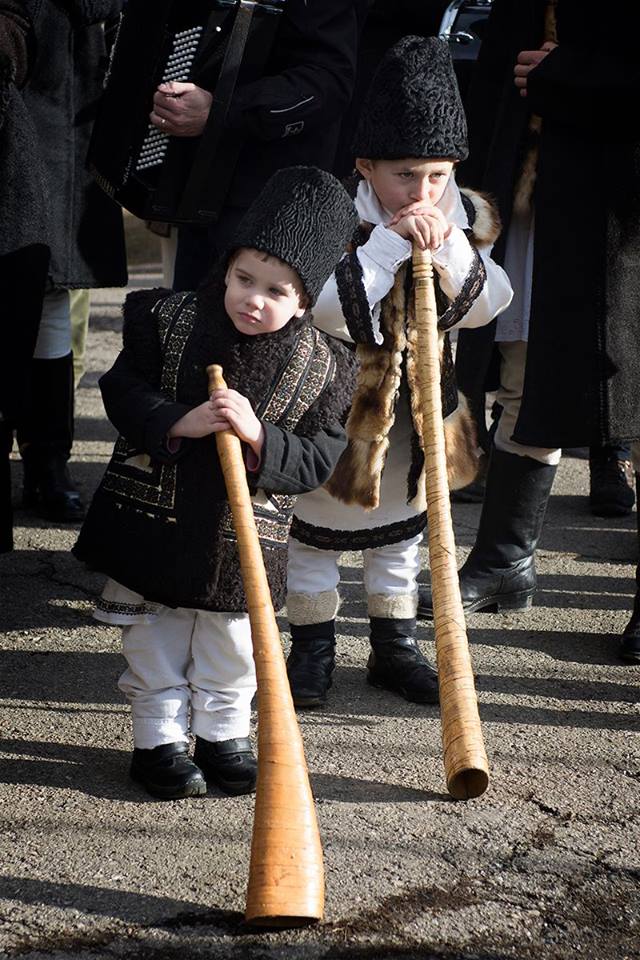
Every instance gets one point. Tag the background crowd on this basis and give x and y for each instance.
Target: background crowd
(553, 136)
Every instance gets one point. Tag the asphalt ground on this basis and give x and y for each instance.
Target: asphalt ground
(545, 865)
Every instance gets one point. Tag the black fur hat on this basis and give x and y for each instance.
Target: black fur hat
(304, 217)
(413, 106)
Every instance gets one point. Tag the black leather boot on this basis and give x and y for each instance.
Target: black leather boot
(6, 509)
(168, 772)
(397, 663)
(230, 764)
(45, 437)
(499, 573)
(311, 662)
(630, 646)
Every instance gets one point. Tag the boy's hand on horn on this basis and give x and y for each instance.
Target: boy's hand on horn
(232, 410)
(421, 223)
(199, 422)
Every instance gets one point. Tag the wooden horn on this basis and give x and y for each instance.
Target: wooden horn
(286, 874)
(465, 759)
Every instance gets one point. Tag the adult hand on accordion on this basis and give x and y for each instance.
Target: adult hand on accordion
(180, 109)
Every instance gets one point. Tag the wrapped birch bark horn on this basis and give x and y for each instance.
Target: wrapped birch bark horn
(286, 874)
(465, 759)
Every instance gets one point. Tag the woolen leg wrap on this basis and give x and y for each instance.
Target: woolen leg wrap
(307, 608)
(401, 606)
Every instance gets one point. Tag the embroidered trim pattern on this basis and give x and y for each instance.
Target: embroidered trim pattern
(469, 208)
(353, 299)
(325, 538)
(156, 486)
(448, 383)
(471, 289)
(114, 608)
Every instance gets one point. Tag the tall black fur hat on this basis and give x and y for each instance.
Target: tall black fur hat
(304, 217)
(413, 106)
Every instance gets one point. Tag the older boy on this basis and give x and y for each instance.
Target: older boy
(412, 132)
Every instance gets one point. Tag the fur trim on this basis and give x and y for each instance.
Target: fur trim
(356, 479)
(306, 608)
(486, 225)
(402, 606)
(461, 446)
(358, 474)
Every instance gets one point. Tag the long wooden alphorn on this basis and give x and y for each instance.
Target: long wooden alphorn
(286, 874)
(465, 759)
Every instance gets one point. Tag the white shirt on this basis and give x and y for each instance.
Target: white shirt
(385, 251)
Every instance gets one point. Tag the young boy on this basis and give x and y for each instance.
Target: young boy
(160, 524)
(411, 133)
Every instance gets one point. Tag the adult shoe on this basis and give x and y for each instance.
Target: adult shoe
(499, 573)
(45, 438)
(630, 647)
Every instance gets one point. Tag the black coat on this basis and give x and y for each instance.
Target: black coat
(159, 522)
(584, 338)
(24, 250)
(65, 81)
(292, 114)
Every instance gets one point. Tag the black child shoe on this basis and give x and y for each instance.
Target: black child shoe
(168, 772)
(397, 663)
(230, 764)
(311, 662)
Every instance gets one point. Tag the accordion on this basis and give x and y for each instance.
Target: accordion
(151, 174)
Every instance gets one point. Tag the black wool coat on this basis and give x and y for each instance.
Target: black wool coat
(24, 249)
(584, 339)
(292, 114)
(160, 523)
(86, 235)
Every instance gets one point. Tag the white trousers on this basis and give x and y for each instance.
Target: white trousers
(54, 333)
(189, 659)
(389, 575)
(513, 356)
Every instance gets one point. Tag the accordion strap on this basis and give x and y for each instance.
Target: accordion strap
(203, 178)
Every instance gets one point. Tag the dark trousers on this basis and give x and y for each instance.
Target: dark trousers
(199, 248)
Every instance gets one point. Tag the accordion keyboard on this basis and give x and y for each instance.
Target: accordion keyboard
(178, 67)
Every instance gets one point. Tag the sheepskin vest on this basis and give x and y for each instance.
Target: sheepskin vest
(164, 530)
(357, 477)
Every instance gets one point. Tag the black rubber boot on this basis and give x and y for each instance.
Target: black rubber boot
(45, 437)
(499, 573)
(397, 663)
(230, 764)
(630, 646)
(168, 772)
(311, 662)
